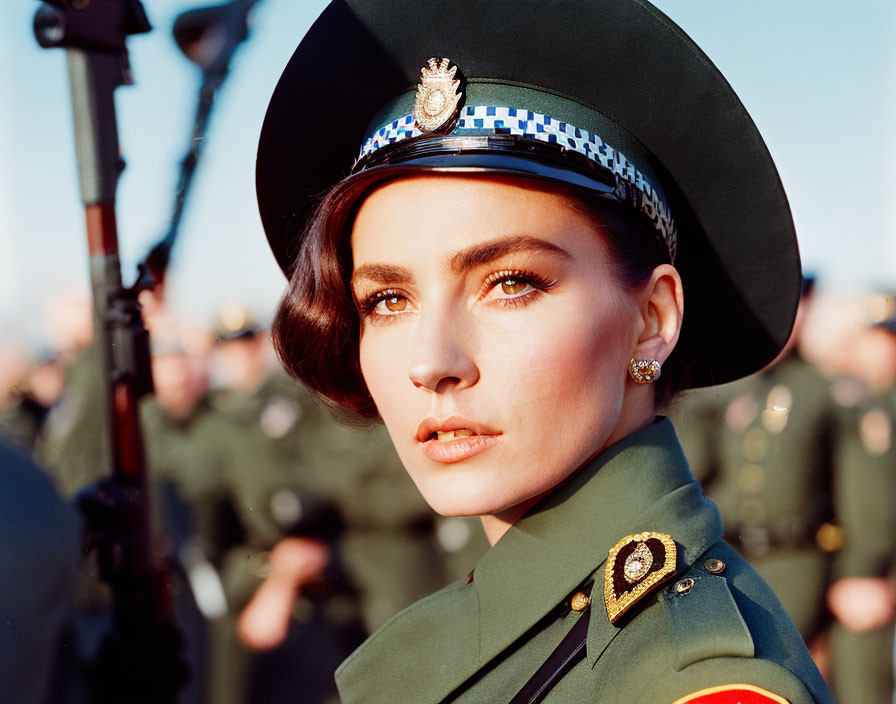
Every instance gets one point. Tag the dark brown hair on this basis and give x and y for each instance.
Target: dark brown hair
(316, 330)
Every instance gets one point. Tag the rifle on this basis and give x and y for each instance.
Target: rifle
(139, 661)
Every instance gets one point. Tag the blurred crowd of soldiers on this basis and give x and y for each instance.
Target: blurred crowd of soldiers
(292, 537)
(800, 459)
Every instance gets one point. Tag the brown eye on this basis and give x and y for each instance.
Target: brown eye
(396, 304)
(512, 287)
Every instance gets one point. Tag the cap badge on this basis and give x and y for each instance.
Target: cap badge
(436, 106)
(636, 565)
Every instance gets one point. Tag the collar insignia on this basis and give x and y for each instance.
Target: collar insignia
(437, 104)
(635, 566)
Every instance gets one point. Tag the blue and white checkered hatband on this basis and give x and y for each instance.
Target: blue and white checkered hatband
(484, 119)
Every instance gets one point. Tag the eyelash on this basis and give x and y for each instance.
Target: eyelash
(538, 283)
(367, 306)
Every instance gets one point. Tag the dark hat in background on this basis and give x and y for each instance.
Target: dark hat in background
(880, 311)
(557, 91)
(807, 285)
(236, 323)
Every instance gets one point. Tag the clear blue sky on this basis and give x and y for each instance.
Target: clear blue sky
(818, 76)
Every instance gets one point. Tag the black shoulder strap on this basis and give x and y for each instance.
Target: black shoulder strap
(567, 654)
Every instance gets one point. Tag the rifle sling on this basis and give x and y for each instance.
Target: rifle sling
(558, 663)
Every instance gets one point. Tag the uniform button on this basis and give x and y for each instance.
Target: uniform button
(741, 412)
(286, 508)
(876, 431)
(780, 399)
(753, 511)
(755, 444)
(684, 586)
(751, 478)
(829, 537)
(453, 533)
(579, 601)
(714, 566)
(777, 409)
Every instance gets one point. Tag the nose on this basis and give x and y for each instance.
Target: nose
(441, 361)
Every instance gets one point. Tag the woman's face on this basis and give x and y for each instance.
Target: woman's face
(495, 336)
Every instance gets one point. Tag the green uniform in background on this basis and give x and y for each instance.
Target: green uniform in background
(763, 447)
(862, 663)
(462, 542)
(227, 497)
(294, 471)
(231, 479)
(167, 440)
(804, 475)
(21, 422)
(386, 541)
(74, 445)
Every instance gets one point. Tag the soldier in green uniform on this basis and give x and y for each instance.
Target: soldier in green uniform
(501, 278)
(863, 597)
(222, 522)
(72, 443)
(802, 471)
(25, 409)
(311, 479)
(764, 449)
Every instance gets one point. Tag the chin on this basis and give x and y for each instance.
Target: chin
(453, 495)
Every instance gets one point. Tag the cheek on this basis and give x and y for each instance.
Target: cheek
(384, 370)
(566, 352)
(564, 379)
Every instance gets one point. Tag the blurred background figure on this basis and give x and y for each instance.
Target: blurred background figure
(68, 324)
(40, 546)
(334, 538)
(782, 454)
(763, 449)
(292, 537)
(72, 442)
(862, 600)
(29, 388)
(170, 420)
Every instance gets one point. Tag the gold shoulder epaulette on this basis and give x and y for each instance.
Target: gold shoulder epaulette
(636, 565)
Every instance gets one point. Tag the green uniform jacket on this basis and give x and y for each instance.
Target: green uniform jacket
(481, 641)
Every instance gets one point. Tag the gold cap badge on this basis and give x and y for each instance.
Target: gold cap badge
(635, 566)
(438, 97)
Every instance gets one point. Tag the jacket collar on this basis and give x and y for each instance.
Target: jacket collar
(640, 483)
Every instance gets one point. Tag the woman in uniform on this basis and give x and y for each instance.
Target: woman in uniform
(513, 231)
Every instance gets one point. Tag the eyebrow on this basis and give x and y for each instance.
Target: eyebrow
(486, 252)
(383, 274)
(464, 260)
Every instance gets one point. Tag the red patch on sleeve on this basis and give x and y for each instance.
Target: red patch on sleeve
(733, 694)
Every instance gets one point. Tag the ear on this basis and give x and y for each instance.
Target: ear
(662, 310)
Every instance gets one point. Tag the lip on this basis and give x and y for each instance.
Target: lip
(431, 425)
(459, 449)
